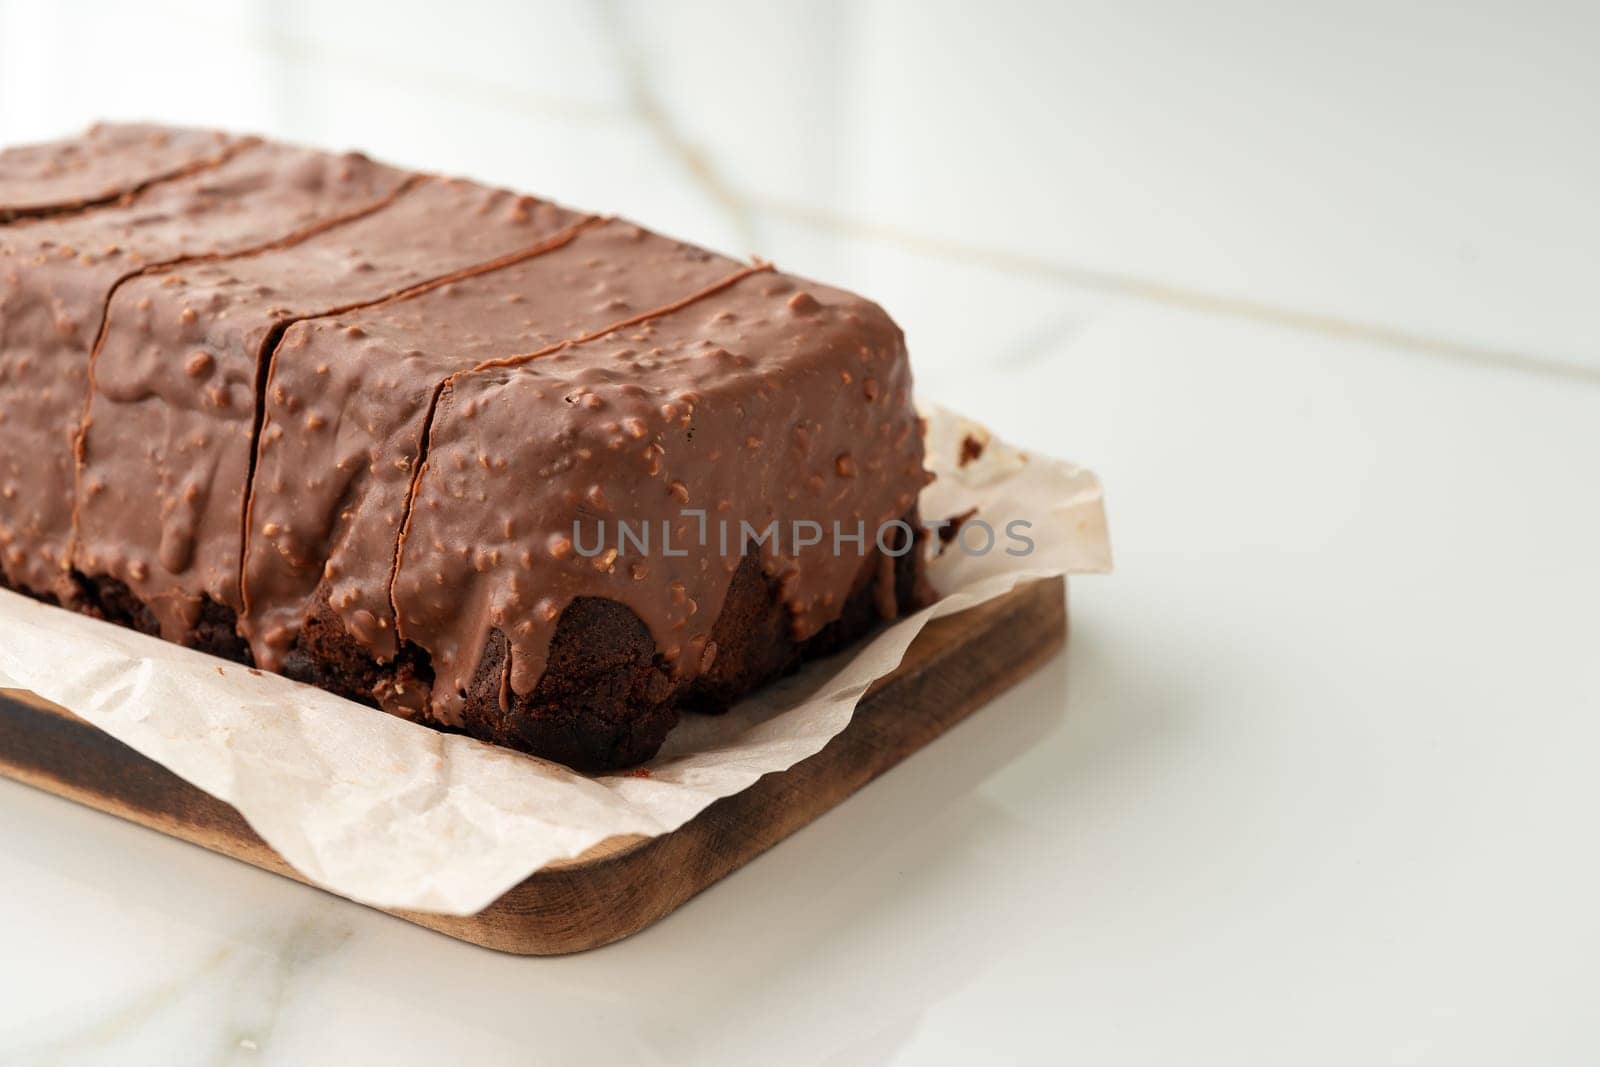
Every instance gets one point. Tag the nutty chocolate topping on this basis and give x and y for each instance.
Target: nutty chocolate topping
(484, 462)
(348, 403)
(771, 400)
(111, 160)
(56, 275)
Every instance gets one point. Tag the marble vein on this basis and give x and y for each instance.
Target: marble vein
(647, 106)
(1170, 294)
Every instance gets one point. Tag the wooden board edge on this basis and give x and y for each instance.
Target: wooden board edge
(955, 666)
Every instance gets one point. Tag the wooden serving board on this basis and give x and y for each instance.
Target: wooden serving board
(622, 885)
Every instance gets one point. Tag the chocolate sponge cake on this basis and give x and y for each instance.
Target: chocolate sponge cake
(499, 467)
(57, 275)
(713, 433)
(322, 537)
(176, 375)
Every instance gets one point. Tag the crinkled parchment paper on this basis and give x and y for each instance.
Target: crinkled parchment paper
(396, 815)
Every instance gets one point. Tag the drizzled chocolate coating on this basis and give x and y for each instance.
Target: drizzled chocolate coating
(169, 438)
(356, 424)
(109, 161)
(347, 408)
(56, 275)
(770, 400)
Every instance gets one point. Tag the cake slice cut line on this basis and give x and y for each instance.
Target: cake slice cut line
(80, 440)
(559, 240)
(757, 266)
(230, 147)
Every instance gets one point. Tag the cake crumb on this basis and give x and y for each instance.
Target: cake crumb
(952, 528)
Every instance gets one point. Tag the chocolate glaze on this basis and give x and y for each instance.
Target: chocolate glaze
(109, 161)
(348, 405)
(56, 275)
(772, 399)
(168, 441)
(366, 409)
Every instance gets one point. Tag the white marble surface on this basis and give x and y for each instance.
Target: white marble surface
(1312, 288)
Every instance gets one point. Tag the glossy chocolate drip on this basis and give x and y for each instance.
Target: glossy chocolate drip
(349, 400)
(770, 400)
(170, 438)
(110, 161)
(56, 276)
